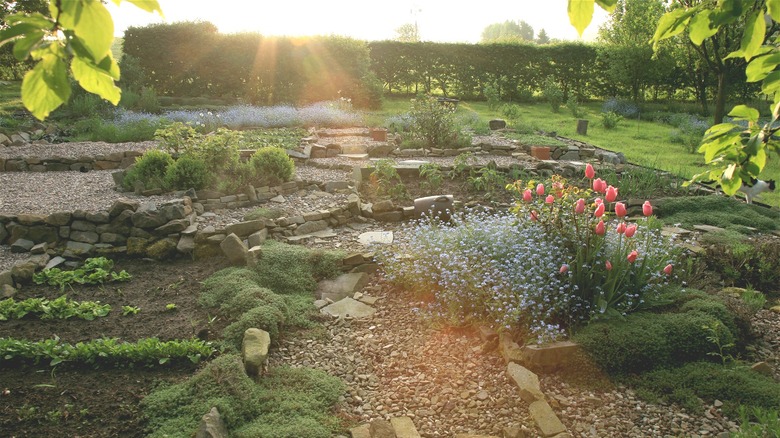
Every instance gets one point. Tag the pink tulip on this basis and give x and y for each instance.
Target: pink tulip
(534, 216)
(630, 230)
(527, 196)
(599, 210)
(632, 256)
(579, 207)
(597, 185)
(620, 209)
(564, 269)
(558, 189)
(600, 230)
(668, 269)
(549, 199)
(647, 209)
(611, 194)
(608, 265)
(540, 189)
(621, 228)
(598, 201)
(589, 171)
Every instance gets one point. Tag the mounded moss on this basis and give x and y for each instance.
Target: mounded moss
(224, 284)
(292, 269)
(719, 211)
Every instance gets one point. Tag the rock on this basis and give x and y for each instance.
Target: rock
(514, 432)
(380, 150)
(186, 244)
(253, 256)
(7, 291)
(101, 217)
(258, 238)
(39, 248)
(250, 193)
(212, 426)
(23, 272)
(6, 278)
(85, 236)
(58, 219)
(381, 429)
(546, 420)
(162, 249)
(3, 233)
(440, 206)
(708, 228)
(348, 307)
(376, 237)
(342, 286)
(173, 227)
(334, 186)
(362, 431)
(234, 249)
(148, 217)
(762, 368)
(383, 206)
(527, 382)
(310, 227)
(278, 199)
(497, 124)
(55, 262)
(390, 216)
(404, 427)
(509, 349)
(775, 309)
(254, 351)
(22, 245)
(244, 229)
(82, 225)
(550, 356)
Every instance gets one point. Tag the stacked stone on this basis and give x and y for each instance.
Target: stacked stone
(115, 160)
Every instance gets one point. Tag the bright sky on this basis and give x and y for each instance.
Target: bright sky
(437, 20)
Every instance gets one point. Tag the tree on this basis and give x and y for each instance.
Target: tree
(735, 154)
(508, 31)
(75, 33)
(408, 33)
(542, 37)
(10, 67)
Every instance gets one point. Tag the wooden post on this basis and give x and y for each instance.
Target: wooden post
(582, 127)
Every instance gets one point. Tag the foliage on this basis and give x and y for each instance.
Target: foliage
(718, 211)
(285, 403)
(386, 181)
(187, 172)
(487, 180)
(610, 120)
(432, 176)
(508, 31)
(87, 49)
(224, 284)
(754, 300)
(433, 123)
(690, 131)
(264, 317)
(644, 182)
(753, 263)
(492, 95)
(118, 130)
(552, 93)
(463, 164)
(294, 270)
(573, 106)
(264, 212)
(148, 351)
(533, 139)
(766, 424)
(285, 138)
(150, 168)
(620, 107)
(96, 270)
(271, 166)
(59, 308)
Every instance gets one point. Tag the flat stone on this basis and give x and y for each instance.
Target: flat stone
(376, 237)
(354, 157)
(257, 238)
(244, 229)
(278, 199)
(332, 186)
(319, 304)
(78, 249)
(22, 245)
(348, 307)
(234, 249)
(362, 431)
(186, 244)
(762, 368)
(299, 239)
(342, 286)
(471, 435)
(54, 262)
(675, 231)
(546, 420)
(509, 349)
(367, 299)
(381, 429)
(6, 278)
(7, 291)
(527, 382)
(550, 356)
(254, 350)
(708, 228)
(311, 227)
(404, 427)
(324, 234)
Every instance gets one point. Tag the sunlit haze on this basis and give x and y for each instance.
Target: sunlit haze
(437, 20)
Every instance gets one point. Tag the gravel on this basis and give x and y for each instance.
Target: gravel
(72, 150)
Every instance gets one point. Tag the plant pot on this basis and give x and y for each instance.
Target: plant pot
(540, 152)
(378, 134)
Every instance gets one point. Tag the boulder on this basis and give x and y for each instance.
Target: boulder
(58, 219)
(546, 420)
(497, 124)
(244, 229)
(404, 427)
(212, 426)
(186, 244)
(439, 206)
(258, 238)
(383, 206)
(100, 217)
(6, 278)
(348, 307)
(254, 351)
(7, 291)
(90, 237)
(22, 245)
(333, 186)
(148, 218)
(381, 429)
(234, 249)
(311, 227)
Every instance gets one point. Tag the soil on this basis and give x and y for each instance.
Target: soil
(69, 400)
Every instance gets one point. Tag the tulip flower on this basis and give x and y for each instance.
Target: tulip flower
(611, 194)
(647, 209)
(558, 189)
(599, 210)
(527, 196)
(668, 269)
(598, 201)
(632, 256)
(608, 265)
(534, 215)
(549, 199)
(597, 185)
(579, 207)
(600, 230)
(564, 269)
(630, 230)
(589, 171)
(621, 228)
(540, 189)
(620, 209)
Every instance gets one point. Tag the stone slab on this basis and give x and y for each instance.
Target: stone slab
(348, 307)
(354, 157)
(708, 228)
(376, 237)
(546, 420)
(527, 382)
(404, 427)
(361, 431)
(343, 286)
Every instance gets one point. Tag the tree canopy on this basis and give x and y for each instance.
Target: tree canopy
(508, 31)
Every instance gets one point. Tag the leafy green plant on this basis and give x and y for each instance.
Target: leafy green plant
(552, 93)
(757, 422)
(714, 335)
(150, 168)
(170, 307)
(487, 180)
(492, 96)
(753, 299)
(433, 123)
(177, 137)
(285, 138)
(130, 310)
(432, 175)
(386, 181)
(271, 166)
(59, 308)
(188, 172)
(265, 213)
(105, 351)
(463, 164)
(96, 270)
(573, 106)
(610, 120)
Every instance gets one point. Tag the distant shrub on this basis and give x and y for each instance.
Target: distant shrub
(690, 131)
(150, 168)
(573, 105)
(610, 120)
(248, 298)
(433, 122)
(187, 172)
(552, 93)
(490, 91)
(271, 166)
(623, 108)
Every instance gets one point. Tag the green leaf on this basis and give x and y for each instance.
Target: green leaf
(761, 66)
(744, 112)
(719, 146)
(753, 37)
(753, 144)
(580, 14)
(146, 5)
(701, 27)
(718, 130)
(91, 22)
(46, 86)
(110, 66)
(672, 23)
(36, 19)
(771, 83)
(607, 5)
(8, 34)
(729, 182)
(759, 159)
(773, 9)
(23, 46)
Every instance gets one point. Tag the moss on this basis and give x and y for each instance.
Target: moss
(268, 318)
(719, 211)
(291, 269)
(225, 284)
(248, 298)
(162, 249)
(264, 213)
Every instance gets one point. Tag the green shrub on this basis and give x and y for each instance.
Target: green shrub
(610, 120)
(268, 318)
(292, 269)
(492, 95)
(433, 123)
(573, 105)
(250, 297)
(149, 168)
(431, 175)
(223, 285)
(177, 137)
(552, 93)
(187, 172)
(219, 149)
(271, 165)
(713, 307)
(386, 181)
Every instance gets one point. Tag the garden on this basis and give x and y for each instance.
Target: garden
(139, 244)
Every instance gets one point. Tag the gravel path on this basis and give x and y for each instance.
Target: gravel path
(72, 150)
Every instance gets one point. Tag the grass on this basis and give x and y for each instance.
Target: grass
(717, 211)
(10, 100)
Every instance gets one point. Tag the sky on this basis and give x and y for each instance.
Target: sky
(437, 20)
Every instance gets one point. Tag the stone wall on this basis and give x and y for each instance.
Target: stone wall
(116, 160)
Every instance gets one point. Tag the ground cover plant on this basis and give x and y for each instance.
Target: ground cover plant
(60, 307)
(95, 270)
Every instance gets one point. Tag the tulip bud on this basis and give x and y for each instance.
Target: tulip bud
(599, 210)
(621, 228)
(598, 201)
(647, 209)
(564, 269)
(527, 196)
(589, 171)
(668, 269)
(630, 230)
(579, 207)
(597, 184)
(632, 256)
(608, 265)
(620, 209)
(600, 230)
(549, 199)
(540, 189)
(611, 194)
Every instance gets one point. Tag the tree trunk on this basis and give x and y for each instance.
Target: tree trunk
(720, 98)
